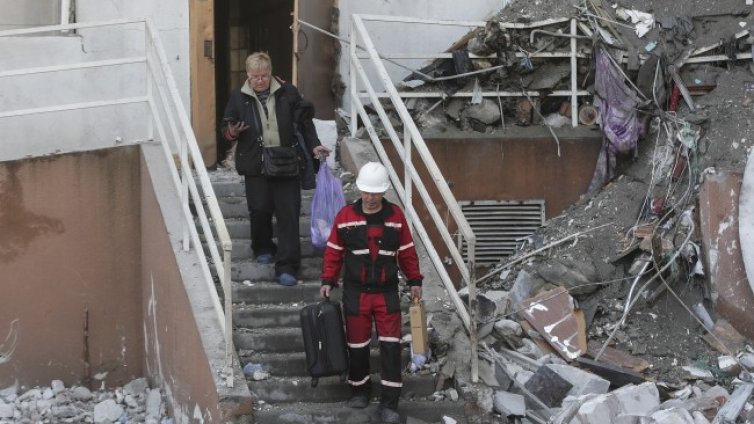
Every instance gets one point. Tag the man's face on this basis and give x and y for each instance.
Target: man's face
(371, 202)
(259, 79)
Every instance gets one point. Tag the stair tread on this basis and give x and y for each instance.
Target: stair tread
(327, 413)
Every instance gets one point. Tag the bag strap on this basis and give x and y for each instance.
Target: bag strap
(256, 121)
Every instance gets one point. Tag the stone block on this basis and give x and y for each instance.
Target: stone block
(637, 400)
(583, 382)
(672, 416)
(508, 404)
(548, 386)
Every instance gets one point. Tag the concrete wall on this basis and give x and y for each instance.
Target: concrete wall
(28, 13)
(69, 261)
(95, 286)
(81, 130)
(184, 344)
(410, 38)
(519, 165)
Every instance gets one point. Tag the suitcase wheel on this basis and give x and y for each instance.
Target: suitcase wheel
(343, 377)
(315, 381)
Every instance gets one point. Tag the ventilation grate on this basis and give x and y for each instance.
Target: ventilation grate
(500, 226)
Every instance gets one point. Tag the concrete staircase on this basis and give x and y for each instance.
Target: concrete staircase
(267, 332)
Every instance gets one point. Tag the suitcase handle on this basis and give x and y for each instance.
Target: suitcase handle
(322, 337)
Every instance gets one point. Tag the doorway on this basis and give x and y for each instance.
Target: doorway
(245, 26)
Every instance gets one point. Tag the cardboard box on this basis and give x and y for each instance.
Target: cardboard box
(418, 319)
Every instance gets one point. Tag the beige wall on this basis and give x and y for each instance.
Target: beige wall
(69, 266)
(175, 357)
(90, 282)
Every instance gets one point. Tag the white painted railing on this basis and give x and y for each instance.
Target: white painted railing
(167, 115)
(413, 140)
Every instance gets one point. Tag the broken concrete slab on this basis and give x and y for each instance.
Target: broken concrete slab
(728, 365)
(718, 219)
(508, 404)
(508, 328)
(487, 374)
(548, 386)
(501, 298)
(616, 375)
(577, 276)
(583, 382)
(696, 373)
(617, 357)
(487, 112)
(732, 408)
(724, 338)
(551, 313)
(525, 286)
(672, 416)
(547, 76)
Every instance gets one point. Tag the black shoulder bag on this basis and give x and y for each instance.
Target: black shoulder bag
(278, 161)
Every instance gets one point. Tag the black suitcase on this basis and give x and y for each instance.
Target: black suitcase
(324, 340)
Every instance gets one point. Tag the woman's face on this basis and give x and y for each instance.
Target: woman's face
(259, 79)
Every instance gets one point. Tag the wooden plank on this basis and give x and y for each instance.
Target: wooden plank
(202, 76)
(294, 59)
(314, 56)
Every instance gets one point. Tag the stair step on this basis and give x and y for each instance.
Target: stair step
(238, 228)
(273, 340)
(294, 364)
(230, 188)
(277, 340)
(329, 413)
(235, 187)
(242, 249)
(265, 292)
(311, 269)
(236, 207)
(330, 389)
(265, 317)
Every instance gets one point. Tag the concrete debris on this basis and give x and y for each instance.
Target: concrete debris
(548, 386)
(695, 373)
(552, 314)
(582, 382)
(575, 275)
(509, 404)
(133, 403)
(656, 262)
(487, 112)
(507, 328)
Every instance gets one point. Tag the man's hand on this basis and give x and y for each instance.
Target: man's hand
(235, 129)
(324, 291)
(321, 152)
(416, 292)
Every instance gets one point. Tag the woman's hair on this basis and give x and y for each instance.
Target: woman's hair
(257, 61)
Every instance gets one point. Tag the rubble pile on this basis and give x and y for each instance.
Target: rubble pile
(611, 312)
(133, 403)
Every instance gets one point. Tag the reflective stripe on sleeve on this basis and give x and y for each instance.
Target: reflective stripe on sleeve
(334, 246)
(406, 246)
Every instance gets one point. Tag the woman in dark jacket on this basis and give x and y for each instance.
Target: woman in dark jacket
(266, 112)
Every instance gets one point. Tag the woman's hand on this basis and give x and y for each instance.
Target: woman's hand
(321, 152)
(235, 129)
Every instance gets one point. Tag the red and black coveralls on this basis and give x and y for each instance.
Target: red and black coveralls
(373, 247)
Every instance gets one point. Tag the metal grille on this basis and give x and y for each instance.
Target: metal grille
(501, 225)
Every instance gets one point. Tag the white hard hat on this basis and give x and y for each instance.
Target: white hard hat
(373, 178)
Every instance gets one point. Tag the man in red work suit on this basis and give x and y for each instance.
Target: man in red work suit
(372, 239)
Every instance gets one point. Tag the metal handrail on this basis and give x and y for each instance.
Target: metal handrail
(413, 139)
(162, 97)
